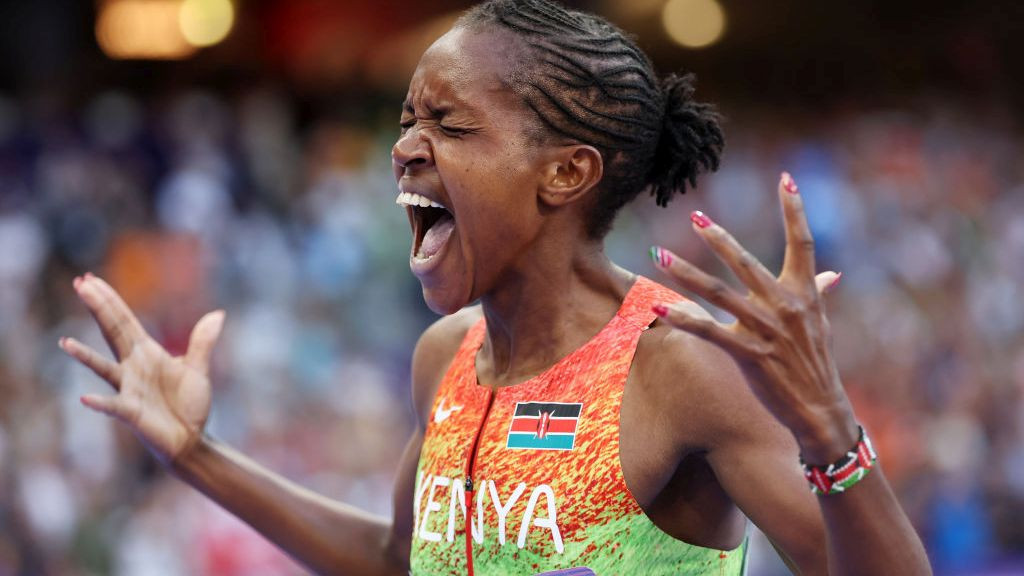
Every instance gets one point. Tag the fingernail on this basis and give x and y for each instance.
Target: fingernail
(835, 282)
(661, 256)
(700, 219)
(789, 184)
(660, 309)
(77, 282)
(89, 275)
(60, 342)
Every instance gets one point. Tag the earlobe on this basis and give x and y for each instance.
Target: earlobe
(571, 174)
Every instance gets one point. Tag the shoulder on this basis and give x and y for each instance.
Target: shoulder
(701, 387)
(434, 352)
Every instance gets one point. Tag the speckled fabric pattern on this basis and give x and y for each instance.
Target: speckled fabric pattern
(548, 492)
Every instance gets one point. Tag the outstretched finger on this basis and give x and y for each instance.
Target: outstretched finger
(681, 315)
(120, 328)
(104, 368)
(826, 282)
(799, 260)
(204, 337)
(743, 264)
(109, 405)
(710, 288)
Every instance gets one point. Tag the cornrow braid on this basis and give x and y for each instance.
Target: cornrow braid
(589, 82)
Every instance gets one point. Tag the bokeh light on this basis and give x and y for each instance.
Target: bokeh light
(206, 22)
(161, 29)
(694, 23)
(141, 29)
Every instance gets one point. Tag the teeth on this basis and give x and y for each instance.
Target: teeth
(410, 199)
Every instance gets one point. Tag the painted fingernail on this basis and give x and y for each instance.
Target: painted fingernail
(660, 309)
(700, 219)
(789, 184)
(835, 282)
(661, 256)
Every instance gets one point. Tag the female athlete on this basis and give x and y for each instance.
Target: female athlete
(579, 419)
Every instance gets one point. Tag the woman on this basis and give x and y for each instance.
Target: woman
(579, 416)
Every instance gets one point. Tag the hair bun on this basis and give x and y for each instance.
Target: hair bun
(691, 140)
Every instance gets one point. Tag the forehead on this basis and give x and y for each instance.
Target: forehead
(464, 67)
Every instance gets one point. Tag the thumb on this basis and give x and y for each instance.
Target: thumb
(826, 282)
(204, 337)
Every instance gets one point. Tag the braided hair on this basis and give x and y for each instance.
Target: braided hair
(588, 81)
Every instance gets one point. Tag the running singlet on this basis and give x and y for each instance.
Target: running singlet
(536, 466)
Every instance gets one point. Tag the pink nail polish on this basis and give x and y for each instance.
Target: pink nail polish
(789, 184)
(660, 309)
(700, 219)
(835, 282)
(661, 257)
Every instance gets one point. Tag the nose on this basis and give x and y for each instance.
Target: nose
(411, 151)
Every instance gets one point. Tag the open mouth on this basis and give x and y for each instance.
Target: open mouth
(432, 224)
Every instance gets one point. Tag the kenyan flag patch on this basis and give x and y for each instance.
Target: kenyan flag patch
(543, 426)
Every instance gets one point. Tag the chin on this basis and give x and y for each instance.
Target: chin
(443, 302)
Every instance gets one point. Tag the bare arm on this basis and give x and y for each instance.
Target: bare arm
(781, 345)
(326, 536)
(166, 402)
(755, 459)
(862, 531)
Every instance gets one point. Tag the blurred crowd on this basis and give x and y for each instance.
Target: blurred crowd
(199, 200)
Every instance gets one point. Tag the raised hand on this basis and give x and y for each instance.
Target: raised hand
(165, 400)
(781, 338)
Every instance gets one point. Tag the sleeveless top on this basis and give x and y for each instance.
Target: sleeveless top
(536, 465)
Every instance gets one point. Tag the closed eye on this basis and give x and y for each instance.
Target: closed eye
(453, 131)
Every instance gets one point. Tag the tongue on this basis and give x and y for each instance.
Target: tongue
(436, 236)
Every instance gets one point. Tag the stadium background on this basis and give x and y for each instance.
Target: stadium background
(254, 175)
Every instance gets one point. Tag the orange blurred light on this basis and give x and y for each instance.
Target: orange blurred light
(141, 29)
(694, 23)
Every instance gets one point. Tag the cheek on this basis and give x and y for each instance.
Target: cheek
(492, 192)
(498, 204)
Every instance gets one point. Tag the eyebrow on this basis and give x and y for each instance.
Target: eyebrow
(432, 111)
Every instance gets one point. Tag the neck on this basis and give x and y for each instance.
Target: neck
(547, 309)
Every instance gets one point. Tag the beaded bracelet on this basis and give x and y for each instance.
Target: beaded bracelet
(845, 472)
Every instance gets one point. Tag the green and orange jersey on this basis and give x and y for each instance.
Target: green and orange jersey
(526, 479)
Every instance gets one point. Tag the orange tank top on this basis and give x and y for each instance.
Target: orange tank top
(526, 479)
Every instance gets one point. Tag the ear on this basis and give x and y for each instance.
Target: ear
(571, 172)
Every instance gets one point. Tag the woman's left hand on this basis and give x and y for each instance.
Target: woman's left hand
(781, 338)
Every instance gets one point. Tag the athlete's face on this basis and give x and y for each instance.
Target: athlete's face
(464, 148)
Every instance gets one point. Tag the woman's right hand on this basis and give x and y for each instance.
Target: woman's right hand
(165, 400)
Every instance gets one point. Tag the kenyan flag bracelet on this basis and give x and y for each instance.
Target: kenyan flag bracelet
(845, 472)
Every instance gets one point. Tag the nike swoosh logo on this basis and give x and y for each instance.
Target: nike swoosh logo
(441, 415)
